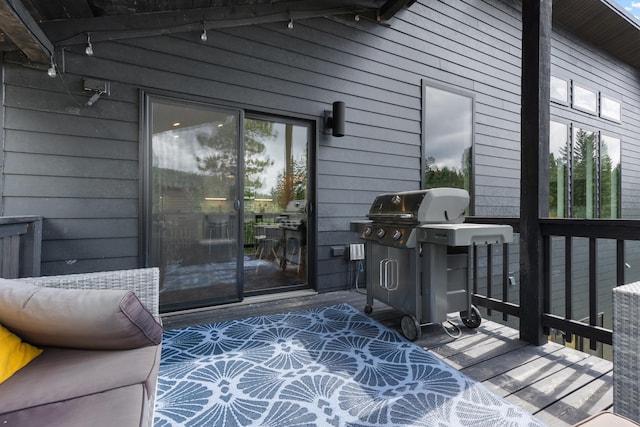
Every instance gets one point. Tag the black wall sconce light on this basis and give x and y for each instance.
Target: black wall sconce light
(334, 120)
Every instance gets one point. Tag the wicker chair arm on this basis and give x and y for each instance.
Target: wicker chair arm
(144, 282)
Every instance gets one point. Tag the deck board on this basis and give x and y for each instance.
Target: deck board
(559, 385)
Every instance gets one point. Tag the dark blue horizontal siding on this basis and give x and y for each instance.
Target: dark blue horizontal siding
(78, 166)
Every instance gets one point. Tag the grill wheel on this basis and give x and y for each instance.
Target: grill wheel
(471, 321)
(411, 328)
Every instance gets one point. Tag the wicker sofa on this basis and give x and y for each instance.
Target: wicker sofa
(101, 349)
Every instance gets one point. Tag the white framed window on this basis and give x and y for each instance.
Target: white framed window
(584, 99)
(610, 109)
(559, 90)
(584, 173)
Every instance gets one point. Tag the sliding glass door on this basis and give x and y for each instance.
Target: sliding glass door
(194, 203)
(226, 203)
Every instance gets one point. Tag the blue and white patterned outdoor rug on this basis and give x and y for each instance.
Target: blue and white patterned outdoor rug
(331, 366)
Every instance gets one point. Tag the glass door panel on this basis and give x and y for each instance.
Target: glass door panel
(275, 204)
(194, 203)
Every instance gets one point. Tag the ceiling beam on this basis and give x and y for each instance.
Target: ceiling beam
(70, 32)
(391, 7)
(24, 32)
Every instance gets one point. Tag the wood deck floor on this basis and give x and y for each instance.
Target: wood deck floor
(559, 385)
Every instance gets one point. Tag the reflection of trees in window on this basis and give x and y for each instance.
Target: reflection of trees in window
(558, 170)
(271, 182)
(448, 138)
(446, 176)
(610, 177)
(255, 161)
(221, 162)
(293, 185)
(593, 171)
(584, 174)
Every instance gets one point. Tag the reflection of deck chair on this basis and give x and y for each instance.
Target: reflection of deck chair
(218, 234)
(260, 241)
(267, 243)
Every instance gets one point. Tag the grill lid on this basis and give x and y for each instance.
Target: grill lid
(436, 205)
(296, 206)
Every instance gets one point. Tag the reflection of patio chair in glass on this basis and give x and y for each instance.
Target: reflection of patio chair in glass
(268, 241)
(218, 235)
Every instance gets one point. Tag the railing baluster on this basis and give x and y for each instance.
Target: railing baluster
(593, 286)
(546, 277)
(568, 282)
(620, 262)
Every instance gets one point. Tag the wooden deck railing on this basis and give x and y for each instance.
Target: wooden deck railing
(561, 234)
(20, 246)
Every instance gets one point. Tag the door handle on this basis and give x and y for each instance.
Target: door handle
(236, 205)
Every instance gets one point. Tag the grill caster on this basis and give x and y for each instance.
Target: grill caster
(411, 328)
(368, 309)
(472, 321)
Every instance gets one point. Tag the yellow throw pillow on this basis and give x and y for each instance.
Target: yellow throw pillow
(14, 354)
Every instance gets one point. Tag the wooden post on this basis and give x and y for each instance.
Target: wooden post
(534, 200)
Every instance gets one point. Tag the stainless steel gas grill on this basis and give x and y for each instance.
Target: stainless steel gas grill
(417, 255)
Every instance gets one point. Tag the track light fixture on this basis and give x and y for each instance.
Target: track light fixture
(290, 24)
(98, 88)
(89, 49)
(51, 72)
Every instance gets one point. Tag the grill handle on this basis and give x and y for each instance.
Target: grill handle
(389, 278)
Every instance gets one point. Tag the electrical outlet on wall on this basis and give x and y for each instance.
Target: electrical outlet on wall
(356, 251)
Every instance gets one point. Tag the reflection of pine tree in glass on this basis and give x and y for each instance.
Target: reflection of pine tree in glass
(255, 161)
(584, 174)
(435, 177)
(609, 185)
(584, 179)
(222, 161)
(557, 183)
(297, 187)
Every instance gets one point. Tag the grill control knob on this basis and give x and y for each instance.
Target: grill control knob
(397, 234)
(368, 230)
(381, 233)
